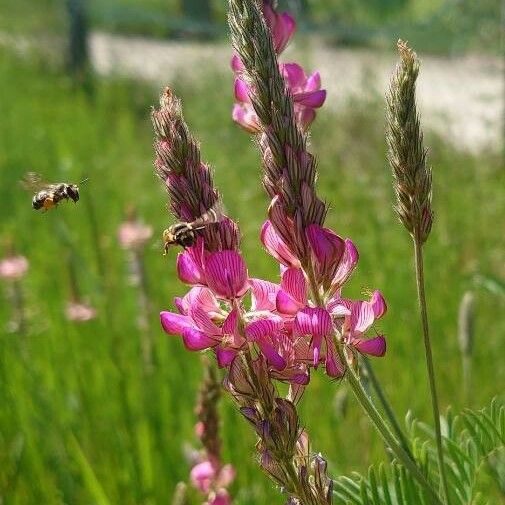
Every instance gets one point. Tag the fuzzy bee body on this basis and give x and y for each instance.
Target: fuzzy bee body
(49, 195)
(183, 233)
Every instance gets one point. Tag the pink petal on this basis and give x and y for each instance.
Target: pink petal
(202, 476)
(313, 82)
(224, 356)
(304, 116)
(244, 115)
(226, 274)
(293, 75)
(189, 264)
(312, 99)
(241, 91)
(196, 340)
(220, 498)
(362, 316)
(276, 246)
(236, 63)
(378, 304)
(328, 249)
(312, 321)
(293, 282)
(263, 294)
(226, 476)
(174, 324)
(202, 320)
(346, 266)
(201, 297)
(286, 26)
(263, 328)
(285, 303)
(373, 346)
(272, 356)
(230, 323)
(333, 365)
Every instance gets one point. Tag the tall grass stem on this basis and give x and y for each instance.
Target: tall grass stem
(419, 265)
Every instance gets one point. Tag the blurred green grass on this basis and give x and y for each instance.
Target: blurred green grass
(79, 422)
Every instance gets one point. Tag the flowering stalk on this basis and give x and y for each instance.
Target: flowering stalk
(76, 310)
(289, 169)
(133, 236)
(209, 475)
(466, 323)
(252, 344)
(413, 188)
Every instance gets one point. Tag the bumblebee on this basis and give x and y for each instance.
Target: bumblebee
(49, 195)
(183, 233)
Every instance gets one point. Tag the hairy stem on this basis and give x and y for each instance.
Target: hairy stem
(419, 264)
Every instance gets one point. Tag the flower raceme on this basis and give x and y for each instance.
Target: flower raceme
(305, 89)
(282, 321)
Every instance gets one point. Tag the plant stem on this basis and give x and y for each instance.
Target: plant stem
(386, 405)
(384, 429)
(418, 253)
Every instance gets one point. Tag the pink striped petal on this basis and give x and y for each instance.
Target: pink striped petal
(202, 320)
(226, 274)
(174, 324)
(201, 297)
(285, 304)
(346, 266)
(263, 328)
(362, 317)
(333, 365)
(189, 264)
(378, 304)
(263, 294)
(230, 323)
(276, 246)
(196, 340)
(328, 249)
(373, 346)
(241, 91)
(312, 99)
(312, 321)
(293, 282)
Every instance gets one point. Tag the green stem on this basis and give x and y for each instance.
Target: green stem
(386, 405)
(384, 429)
(418, 253)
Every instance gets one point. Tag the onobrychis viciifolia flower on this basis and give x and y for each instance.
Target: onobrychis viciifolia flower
(406, 152)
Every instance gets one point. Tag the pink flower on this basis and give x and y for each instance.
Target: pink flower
(305, 90)
(202, 476)
(282, 27)
(79, 312)
(13, 267)
(133, 234)
(205, 477)
(220, 498)
(361, 317)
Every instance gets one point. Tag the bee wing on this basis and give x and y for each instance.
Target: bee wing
(211, 216)
(33, 181)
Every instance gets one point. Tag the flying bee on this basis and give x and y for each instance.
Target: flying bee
(49, 195)
(183, 233)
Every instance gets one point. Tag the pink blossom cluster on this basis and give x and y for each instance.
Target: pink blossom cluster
(13, 267)
(305, 89)
(227, 311)
(212, 481)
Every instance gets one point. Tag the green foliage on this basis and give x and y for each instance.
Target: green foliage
(80, 422)
(473, 441)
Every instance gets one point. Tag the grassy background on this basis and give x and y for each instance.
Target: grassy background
(79, 422)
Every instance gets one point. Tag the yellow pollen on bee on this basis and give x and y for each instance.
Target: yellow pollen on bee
(48, 203)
